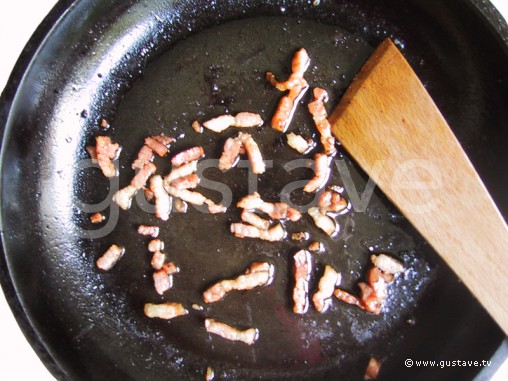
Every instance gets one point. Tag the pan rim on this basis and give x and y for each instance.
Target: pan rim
(486, 10)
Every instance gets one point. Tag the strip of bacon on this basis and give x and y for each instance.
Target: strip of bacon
(140, 179)
(163, 278)
(123, 197)
(248, 119)
(249, 336)
(347, 297)
(158, 259)
(296, 85)
(162, 199)
(300, 236)
(195, 198)
(106, 152)
(145, 156)
(241, 120)
(253, 152)
(155, 245)
(301, 272)
(278, 210)
(182, 171)
(146, 230)
(255, 220)
(387, 264)
(258, 274)
(159, 144)
(322, 221)
(298, 143)
(330, 201)
(196, 126)
(372, 370)
(110, 257)
(165, 311)
(187, 182)
(319, 114)
(187, 156)
(326, 287)
(322, 173)
(97, 218)
(104, 124)
(316, 247)
(373, 293)
(277, 233)
(230, 154)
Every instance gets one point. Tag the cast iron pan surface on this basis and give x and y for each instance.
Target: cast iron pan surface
(155, 66)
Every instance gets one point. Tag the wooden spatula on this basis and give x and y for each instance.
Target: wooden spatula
(389, 124)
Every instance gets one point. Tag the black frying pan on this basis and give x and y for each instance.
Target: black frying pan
(155, 66)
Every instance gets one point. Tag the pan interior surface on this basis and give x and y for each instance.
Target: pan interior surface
(154, 68)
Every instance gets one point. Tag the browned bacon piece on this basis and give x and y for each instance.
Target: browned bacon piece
(301, 272)
(163, 278)
(300, 236)
(322, 172)
(106, 152)
(277, 233)
(146, 230)
(145, 156)
(110, 257)
(373, 292)
(347, 297)
(230, 154)
(322, 221)
(155, 245)
(97, 218)
(253, 152)
(159, 144)
(187, 182)
(158, 259)
(140, 179)
(319, 114)
(249, 336)
(315, 246)
(196, 126)
(247, 119)
(182, 171)
(104, 124)
(326, 287)
(241, 120)
(255, 220)
(195, 198)
(330, 201)
(165, 311)
(258, 274)
(372, 370)
(298, 143)
(123, 197)
(296, 85)
(187, 156)
(278, 211)
(162, 199)
(387, 264)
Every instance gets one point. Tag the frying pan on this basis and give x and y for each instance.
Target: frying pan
(151, 67)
